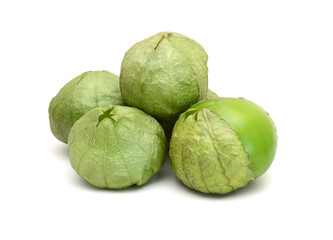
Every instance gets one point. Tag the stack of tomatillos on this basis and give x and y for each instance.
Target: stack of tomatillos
(119, 128)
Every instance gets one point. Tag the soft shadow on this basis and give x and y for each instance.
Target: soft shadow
(60, 150)
(254, 187)
(164, 174)
(80, 182)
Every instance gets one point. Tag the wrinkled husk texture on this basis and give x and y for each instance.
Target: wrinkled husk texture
(207, 155)
(116, 147)
(164, 75)
(86, 91)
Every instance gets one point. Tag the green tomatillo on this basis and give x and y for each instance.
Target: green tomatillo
(164, 75)
(168, 126)
(219, 145)
(116, 147)
(86, 91)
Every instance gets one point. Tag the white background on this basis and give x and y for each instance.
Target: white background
(278, 54)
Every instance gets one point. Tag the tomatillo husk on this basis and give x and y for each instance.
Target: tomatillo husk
(219, 145)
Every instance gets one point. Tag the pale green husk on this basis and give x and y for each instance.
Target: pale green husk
(168, 126)
(85, 92)
(211, 94)
(116, 147)
(207, 154)
(164, 75)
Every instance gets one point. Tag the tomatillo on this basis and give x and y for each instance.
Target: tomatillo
(89, 90)
(116, 147)
(219, 145)
(164, 75)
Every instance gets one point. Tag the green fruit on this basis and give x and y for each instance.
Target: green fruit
(168, 126)
(116, 147)
(164, 75)
(78, 96)
(253, 125)
(219, 145)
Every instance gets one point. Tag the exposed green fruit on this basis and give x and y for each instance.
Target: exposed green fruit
(78, 96)
(219, 145)
(116, 147)
(253, 125)
(164, 75)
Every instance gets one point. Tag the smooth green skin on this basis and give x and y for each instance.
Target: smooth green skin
(116, 147)
(78, 96)
(207, 155)
(253, 125)
(164, 75)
